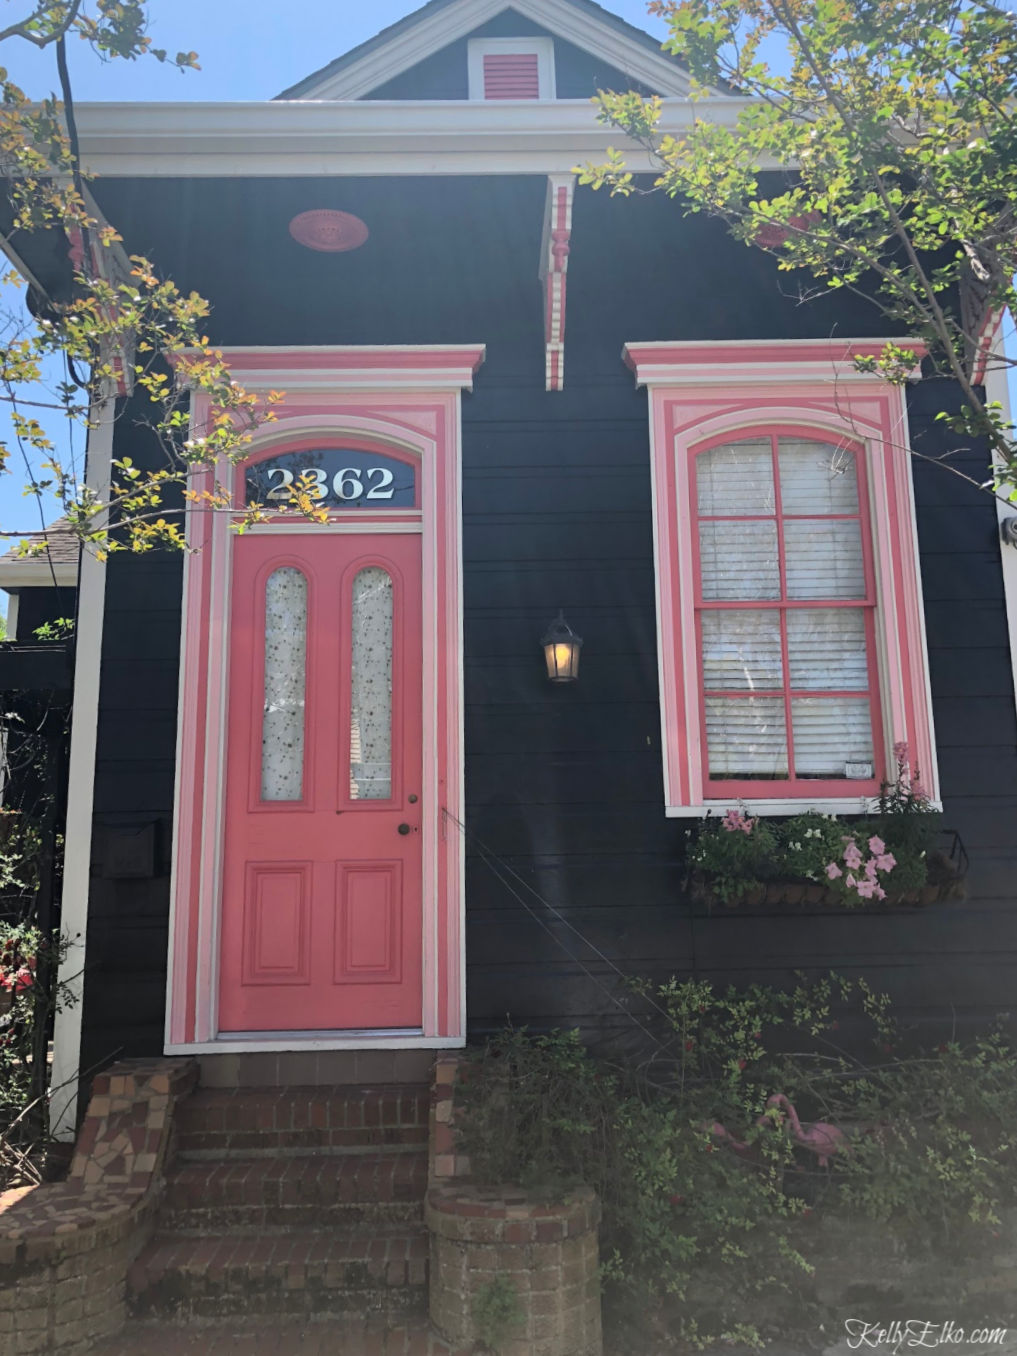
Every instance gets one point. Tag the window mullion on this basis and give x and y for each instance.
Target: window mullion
(785, 655)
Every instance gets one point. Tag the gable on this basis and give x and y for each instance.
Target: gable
(426, 55)
(445, 74)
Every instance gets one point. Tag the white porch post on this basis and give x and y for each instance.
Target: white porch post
(81, 787)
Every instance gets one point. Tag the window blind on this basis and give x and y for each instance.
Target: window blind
(785, 679)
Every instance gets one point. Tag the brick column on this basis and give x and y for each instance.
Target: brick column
(66, 1247)
(548, 1253)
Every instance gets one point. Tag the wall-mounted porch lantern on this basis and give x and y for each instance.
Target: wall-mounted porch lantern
(561, 651)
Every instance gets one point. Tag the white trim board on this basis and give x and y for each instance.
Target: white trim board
(378, 137)
(37, 573)
(997, 388)
(81, 789)
(457, 20)
(858, 805)
(280, 1044)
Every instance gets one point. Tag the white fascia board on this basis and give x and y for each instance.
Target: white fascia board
(457, 20)
(35, 574)
(306, 139)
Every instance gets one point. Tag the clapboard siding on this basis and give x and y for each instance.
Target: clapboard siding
(443, 75)
(563, 785)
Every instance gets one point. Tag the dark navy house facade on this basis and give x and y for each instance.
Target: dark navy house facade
(330, 800)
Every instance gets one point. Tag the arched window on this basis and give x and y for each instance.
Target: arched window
(785, 601)
(790, 625)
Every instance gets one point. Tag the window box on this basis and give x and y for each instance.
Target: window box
(946, 881)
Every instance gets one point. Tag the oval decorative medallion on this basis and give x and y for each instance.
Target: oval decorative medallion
(329, 231)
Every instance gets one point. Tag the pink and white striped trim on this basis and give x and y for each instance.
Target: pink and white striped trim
(701, 392)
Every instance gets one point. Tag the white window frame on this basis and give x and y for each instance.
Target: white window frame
(542, 48)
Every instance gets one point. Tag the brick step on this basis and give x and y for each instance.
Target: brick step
(220, 1121)
(372, 1270)
(295, 1192)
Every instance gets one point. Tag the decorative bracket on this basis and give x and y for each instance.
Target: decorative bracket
(554, 262)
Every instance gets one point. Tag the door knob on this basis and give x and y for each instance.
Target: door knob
(404, 829)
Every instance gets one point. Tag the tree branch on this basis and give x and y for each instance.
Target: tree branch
(42, 40)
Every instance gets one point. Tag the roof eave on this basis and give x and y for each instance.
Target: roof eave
(307, 139)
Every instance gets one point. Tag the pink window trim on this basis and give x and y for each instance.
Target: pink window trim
(511, 75)
(790, 786)
(405, 402)
(723, 391)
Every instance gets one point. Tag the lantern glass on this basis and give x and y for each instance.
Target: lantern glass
(561, 651)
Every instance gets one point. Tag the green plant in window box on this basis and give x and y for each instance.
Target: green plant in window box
(813, 859)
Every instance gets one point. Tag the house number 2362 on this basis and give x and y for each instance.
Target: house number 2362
(376, 482)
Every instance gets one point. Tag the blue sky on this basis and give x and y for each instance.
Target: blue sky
(247, 49)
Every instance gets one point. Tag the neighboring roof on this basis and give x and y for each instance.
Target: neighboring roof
(59, 559)
(440, 22)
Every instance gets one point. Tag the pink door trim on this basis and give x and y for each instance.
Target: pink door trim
(398, 400)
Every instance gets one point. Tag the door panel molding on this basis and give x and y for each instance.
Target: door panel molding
(425, 421)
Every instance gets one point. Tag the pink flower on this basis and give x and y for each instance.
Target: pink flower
(886, 862)
(918, 790)
(877, 846)
(900, 751)
(850, 881)
(879, 892)
(870, 869)
(735, 820)
(866, 889)
(833, 871)
(853, 855)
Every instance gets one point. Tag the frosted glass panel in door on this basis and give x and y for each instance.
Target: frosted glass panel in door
(282, 727)
(371, 695)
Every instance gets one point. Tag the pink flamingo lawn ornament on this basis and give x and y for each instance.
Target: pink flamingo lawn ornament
(819, 1137)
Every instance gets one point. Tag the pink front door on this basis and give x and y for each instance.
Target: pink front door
(321, 902)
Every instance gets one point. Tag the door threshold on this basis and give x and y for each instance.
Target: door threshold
(241, 1042)
(368, 1034)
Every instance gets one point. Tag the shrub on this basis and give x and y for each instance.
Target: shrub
(702, 1167)
(29, 996)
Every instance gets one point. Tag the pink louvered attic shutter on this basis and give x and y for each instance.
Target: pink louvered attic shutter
(511, 75)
